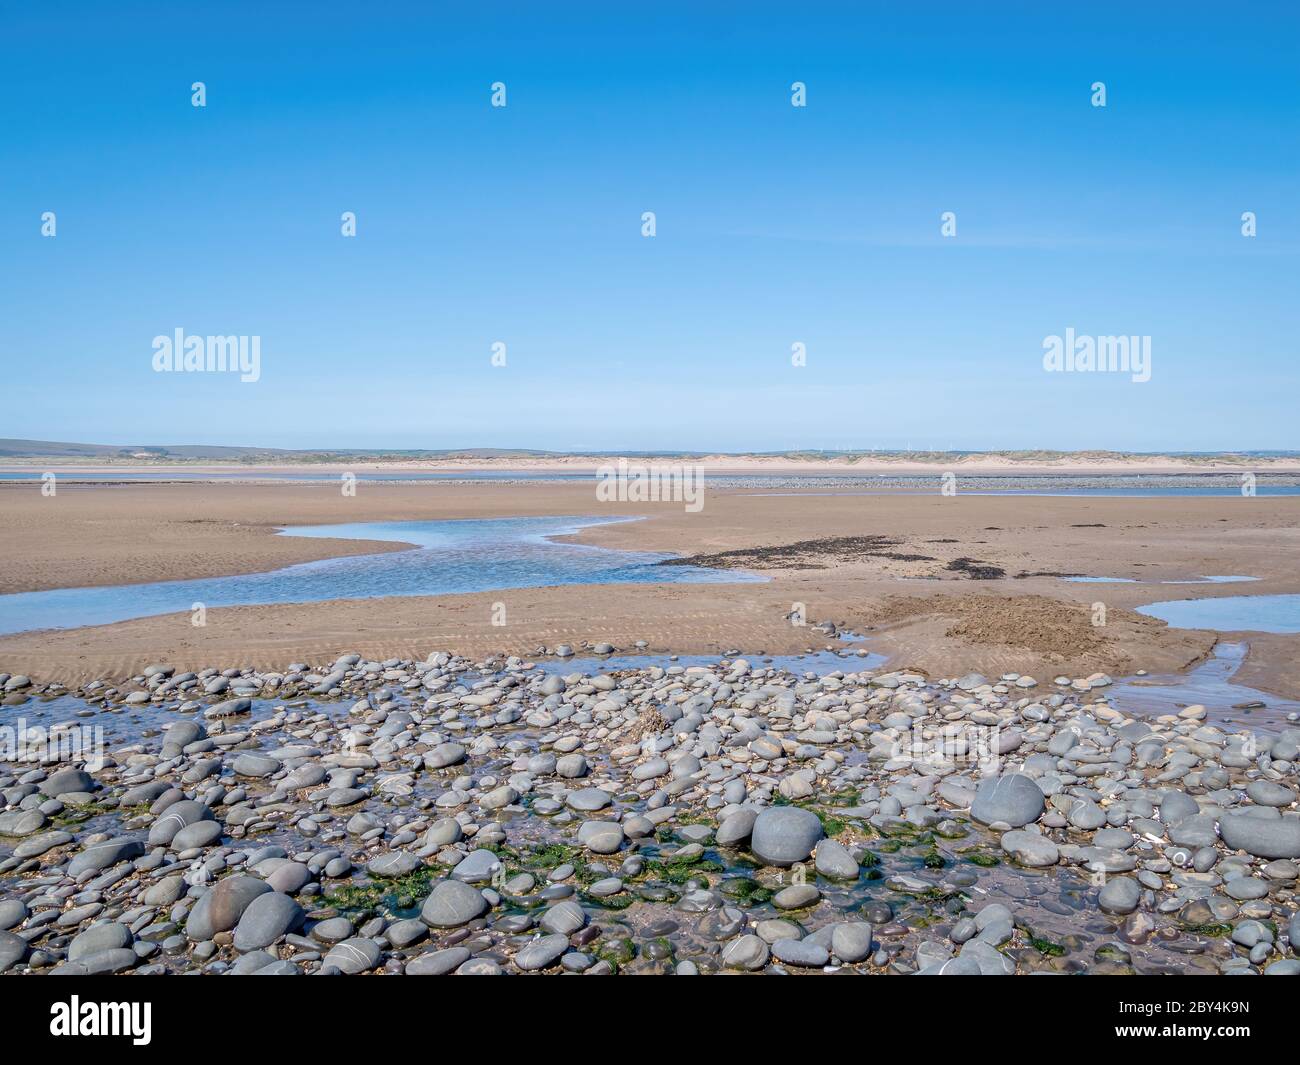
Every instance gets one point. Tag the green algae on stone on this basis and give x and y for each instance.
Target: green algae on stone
(745, 890)
(374, 896)
(981, 858)
(621, 901)
(1214, 931)
(1046, 947)
(617, 951)
(680, 870)
(552, 855)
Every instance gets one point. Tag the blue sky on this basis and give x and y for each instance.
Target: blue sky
(775, 224)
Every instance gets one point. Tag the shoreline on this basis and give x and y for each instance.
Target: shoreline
(988, 463)
(633, 658)
(947, 622)
(276, 636)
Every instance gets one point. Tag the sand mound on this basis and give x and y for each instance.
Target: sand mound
(1032, 622)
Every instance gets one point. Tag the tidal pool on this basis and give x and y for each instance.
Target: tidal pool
(1233, 613)
(448, 557)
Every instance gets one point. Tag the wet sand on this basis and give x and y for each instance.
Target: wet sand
(900, 568)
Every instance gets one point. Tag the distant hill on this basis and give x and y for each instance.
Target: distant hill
(181, 454)
(37, 449)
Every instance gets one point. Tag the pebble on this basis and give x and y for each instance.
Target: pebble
(235, 839)
(1013, 799)
(1121, 894)
(800, 953)
(354, 956)
(542, 952)
(785, 835)
(451, 904)
(1030, 848)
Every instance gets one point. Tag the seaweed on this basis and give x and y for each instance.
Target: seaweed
(746, 891)
(1046, 947)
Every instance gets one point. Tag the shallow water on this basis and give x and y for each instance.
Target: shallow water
(848, 482)
(452, 557)
(1209, 684)
(1233, 613)
(1225, 579)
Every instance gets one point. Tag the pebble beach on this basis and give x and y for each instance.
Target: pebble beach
(452, 816)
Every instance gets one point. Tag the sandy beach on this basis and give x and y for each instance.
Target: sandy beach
(906, 570)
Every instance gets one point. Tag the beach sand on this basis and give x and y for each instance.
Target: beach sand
(850, 559)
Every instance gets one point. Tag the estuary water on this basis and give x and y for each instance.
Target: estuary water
(448, 557)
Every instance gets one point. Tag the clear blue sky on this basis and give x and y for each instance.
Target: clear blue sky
(775, 224)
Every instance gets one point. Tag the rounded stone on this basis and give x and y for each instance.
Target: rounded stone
(1177, 806)
(571, 766)
(542, 953)
(222, 907)
(833, 860)
(783, 835)
(109, 935)
(452, 904)
(176, 817)
(1014, 799)
(437, 962)
(267, 918)
(291, 877)
(1030, 848)
(748, 953)
(1263, 837)
(392, 864)
(402, 934)
(332, 930)
(564, 918)
(800, 953)
(13, 949)
(250, 764)
(13, 912)
(851, 941)
(1267, 793)
(796, 897)
(1120, 895)
(353, 956)
(66, 781)
(477, 867)
(443, 755)
(601, 837)
(736, 828)
(199, 834)
(588, 799)
(104, 854)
